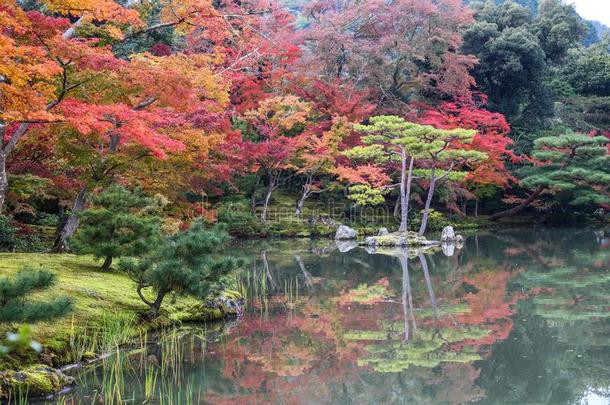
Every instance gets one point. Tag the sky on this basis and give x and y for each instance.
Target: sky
(598, 10)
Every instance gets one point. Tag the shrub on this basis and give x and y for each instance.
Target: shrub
(186, 263)
(119, 224)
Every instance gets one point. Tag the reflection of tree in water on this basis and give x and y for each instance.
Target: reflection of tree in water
(384, 329)
(559, 350)
(397, 346)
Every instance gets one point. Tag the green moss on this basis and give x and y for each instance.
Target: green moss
(36, 381)
(398, 239)
(102, 301)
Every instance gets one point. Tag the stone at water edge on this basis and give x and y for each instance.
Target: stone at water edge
(345, 233)
(37, 381)
(448, 234)
(383, 232)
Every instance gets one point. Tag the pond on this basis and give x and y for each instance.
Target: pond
(516, 316)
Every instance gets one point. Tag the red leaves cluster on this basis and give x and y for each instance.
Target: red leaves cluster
(492, 137)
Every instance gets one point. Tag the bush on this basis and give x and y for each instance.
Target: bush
(17, 306)
(45, 219)
(436, 220)
(119, 224)
(17, 237)
(186, 263)
(8, 235)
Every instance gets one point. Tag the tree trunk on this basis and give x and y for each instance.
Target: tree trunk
(304, 196)
(397, 207)
(5, 151)
(424, 220)
(476, 208)
(107, 263)
(3, 180)
(155, 307)
(270, 188)
(405, 197)
(71, 224)
(403, 191)
(519, 207)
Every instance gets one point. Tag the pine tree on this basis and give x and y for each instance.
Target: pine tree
(573, 166)
(17, 306)
(120, 224)
(186, 263)
(390, 139)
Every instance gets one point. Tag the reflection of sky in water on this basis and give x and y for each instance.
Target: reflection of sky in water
(512, 317)
(596, 397)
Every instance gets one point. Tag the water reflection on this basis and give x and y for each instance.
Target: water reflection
(513, 317)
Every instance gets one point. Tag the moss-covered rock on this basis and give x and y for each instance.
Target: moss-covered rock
(401, 239)
(228, 304)
(36, 381)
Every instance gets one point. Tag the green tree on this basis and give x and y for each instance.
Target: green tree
(186, 263)
(512, 62)
(573, 166)
(121, 223)
(559, 28)
(439, 149)
(389, 140)
(16, 304)
(587, 70)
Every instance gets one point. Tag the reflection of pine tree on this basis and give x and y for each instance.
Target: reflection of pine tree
(15, 305)
(570, 294)
(559, 348)
(400, 346)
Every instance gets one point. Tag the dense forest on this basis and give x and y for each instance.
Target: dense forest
(224, 109)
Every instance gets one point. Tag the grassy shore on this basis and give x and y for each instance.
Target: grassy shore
(106, 310)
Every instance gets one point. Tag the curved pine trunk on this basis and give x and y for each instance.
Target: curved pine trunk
(107, 263)
(518, 208)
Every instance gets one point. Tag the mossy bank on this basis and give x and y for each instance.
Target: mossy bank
(106, 313)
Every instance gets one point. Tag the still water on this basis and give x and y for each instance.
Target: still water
(514, 317)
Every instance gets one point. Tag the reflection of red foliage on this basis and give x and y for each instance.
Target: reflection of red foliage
(488, 307)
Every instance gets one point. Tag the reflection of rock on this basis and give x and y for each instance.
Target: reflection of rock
(326, 248)
(37, 381)
(345, 245)
(459, 241)
(345, 233)
(398, 239)
(448, 248)
(383, 232)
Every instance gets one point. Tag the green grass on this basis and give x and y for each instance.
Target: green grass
(106, 308)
